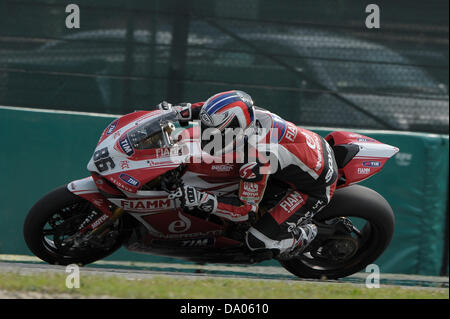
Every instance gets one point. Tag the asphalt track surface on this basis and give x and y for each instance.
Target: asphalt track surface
(140, 270)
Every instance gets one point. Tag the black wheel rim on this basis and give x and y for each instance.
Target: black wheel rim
(364, 242)
(62, 224)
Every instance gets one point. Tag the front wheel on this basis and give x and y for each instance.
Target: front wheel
(57, 216)
(372, 220)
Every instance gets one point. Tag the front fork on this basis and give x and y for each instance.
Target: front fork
(95, 225)
(103, 228)
(95, 235)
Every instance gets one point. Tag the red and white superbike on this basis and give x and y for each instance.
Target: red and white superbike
(127, 200)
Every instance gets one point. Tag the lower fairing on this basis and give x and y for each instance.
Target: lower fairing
(200, 250)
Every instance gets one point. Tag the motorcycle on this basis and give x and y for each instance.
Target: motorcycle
(129, 200)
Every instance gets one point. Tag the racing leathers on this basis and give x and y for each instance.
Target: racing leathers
(283, 154)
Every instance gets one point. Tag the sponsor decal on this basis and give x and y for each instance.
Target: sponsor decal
(201, 242)
(222, 168)
(92, 216)
(119, 184)
(313, 143)
(169, 151)
(206, 119)
(364, 139)
(246, 171)
(291, 202)
(144, 205)
(310, 141)
(250, 191)
(152, 163)
(330, 172)
(126, 147)
(99, 221)
(317, 204)
(291, 132)
(112, 127)
(319, 154)
(187, 243)
(187, 235)
(129, 180)
(371, 163)
(249, 200)
(251, 187)
(124, 164)
(363, 171)
(181, 225)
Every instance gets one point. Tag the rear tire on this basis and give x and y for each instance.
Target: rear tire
(37, 219)
(353, 201)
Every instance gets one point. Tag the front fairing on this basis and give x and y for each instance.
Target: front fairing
(129, 168)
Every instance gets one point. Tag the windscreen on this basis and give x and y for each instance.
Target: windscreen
(152, 134)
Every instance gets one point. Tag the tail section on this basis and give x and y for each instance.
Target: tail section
(358, 156)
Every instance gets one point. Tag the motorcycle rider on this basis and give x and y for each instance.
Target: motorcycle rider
(304, 163)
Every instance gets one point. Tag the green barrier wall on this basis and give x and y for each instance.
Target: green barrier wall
(415, 183)
(40, 151)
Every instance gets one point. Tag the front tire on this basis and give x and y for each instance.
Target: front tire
(71, 210)
(353, 201)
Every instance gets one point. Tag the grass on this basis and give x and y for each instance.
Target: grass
(164, 287)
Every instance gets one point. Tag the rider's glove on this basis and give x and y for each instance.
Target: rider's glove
(184, 110)
(164, 105)
(193, 198)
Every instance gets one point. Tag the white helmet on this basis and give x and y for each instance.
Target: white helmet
(228, 110)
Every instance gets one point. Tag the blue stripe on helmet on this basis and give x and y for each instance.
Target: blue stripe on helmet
(223, 103)
(217, 99)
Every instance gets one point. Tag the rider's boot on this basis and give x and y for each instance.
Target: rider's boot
(295, 241)
(303, 236)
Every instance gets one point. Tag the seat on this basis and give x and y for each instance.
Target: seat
(344, 153)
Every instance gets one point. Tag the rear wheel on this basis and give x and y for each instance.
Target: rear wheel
(58, 216)
(367, 221)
